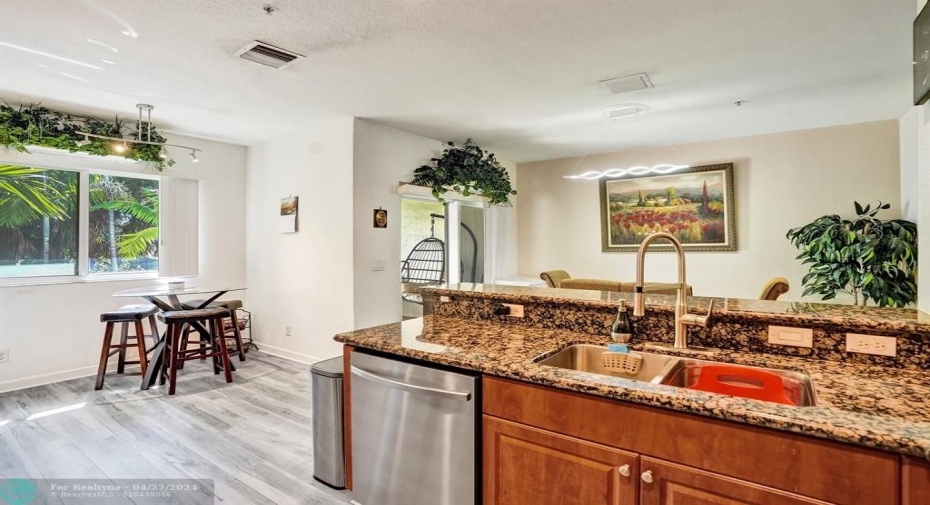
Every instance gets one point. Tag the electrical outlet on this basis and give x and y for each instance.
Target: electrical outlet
(515, 310)
(871, 344)
(4, 355)
(287, 331)
(786, 335)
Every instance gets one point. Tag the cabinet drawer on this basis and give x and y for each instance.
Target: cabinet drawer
(831, 471)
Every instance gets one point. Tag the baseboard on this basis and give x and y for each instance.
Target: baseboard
(287, 354)
(87, 371)
(41, 380)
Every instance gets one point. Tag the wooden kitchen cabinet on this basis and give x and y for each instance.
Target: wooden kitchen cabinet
(915, 481)
(664, 483)
(704, 459)
(529, 466)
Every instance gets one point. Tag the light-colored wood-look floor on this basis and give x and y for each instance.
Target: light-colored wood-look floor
(252, 437)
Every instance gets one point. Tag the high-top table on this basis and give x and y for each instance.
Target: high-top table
(166, 298)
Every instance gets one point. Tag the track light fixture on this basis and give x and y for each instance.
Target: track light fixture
(121, 145)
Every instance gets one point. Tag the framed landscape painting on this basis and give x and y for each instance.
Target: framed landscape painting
(695, 205)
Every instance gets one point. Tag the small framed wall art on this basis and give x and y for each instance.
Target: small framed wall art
(379, 218)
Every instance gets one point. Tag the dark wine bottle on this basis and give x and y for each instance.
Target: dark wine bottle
(622, 328)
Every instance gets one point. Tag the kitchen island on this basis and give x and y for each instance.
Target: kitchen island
(866, 440)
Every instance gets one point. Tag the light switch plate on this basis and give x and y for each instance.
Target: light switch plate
(786, 335)
(377, 265)
(871, 344)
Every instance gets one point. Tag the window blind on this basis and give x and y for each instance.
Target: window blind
(179, 218)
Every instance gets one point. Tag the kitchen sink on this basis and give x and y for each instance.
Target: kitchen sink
(587, 358)
(796, 388)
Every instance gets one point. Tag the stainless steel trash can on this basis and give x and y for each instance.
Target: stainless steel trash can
(329, 459)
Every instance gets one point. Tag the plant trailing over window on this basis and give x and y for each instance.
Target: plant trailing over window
(31, 125)
(466, 169)
(866, 257)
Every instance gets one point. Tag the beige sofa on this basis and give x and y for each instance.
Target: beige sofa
(561, 279)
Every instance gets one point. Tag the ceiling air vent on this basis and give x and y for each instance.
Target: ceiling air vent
(627, 84)
(268, 55)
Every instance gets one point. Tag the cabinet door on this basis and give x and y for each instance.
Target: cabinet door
(915, 481)
(529, 466)
(663, 483)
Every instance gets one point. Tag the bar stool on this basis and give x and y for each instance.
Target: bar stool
(234, 306)
(126, 315)
(178, 321)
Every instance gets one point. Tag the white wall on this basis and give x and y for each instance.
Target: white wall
(383, 157)
(54, 332)
(303, 280)
(782, 181)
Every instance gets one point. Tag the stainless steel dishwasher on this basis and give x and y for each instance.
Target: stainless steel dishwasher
(414, 433)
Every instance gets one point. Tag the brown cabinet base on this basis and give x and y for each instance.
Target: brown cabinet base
(524, 465)
(793, 465)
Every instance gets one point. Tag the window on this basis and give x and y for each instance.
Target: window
(38, 222)
(123, 224)
(45, 213)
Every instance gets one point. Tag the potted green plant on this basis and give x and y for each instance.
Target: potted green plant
(466, 169)
(32, 125)
(867, 257)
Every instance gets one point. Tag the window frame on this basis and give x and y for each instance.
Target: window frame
(83, 274)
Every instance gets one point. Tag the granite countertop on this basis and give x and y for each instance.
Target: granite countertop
(870, 406)
(903, 320)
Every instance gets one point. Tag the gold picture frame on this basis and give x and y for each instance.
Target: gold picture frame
(696, 204)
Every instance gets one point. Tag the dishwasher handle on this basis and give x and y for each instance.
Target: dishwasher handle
(410, 388)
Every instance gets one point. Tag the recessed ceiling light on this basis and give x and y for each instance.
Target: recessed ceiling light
(626, 110)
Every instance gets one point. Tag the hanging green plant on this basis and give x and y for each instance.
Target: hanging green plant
(32, 125)
(866, 257)
(466, 169)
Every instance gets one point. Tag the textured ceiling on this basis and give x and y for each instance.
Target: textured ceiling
(520, 76)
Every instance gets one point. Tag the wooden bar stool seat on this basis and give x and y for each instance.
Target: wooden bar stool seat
(231, 328)
(126, 316)
(179, 321)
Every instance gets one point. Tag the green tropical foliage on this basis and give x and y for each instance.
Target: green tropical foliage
(26, 194)
(123, 219)
(466, 169)
(867, 257)
(37, 209)
(32, 125)
(38, 219)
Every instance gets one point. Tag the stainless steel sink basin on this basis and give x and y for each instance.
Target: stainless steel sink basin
(675, 371)
(587, 358)
(798, 387)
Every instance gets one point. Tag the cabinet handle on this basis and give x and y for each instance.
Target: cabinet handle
(624, 470)
(647, 476)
